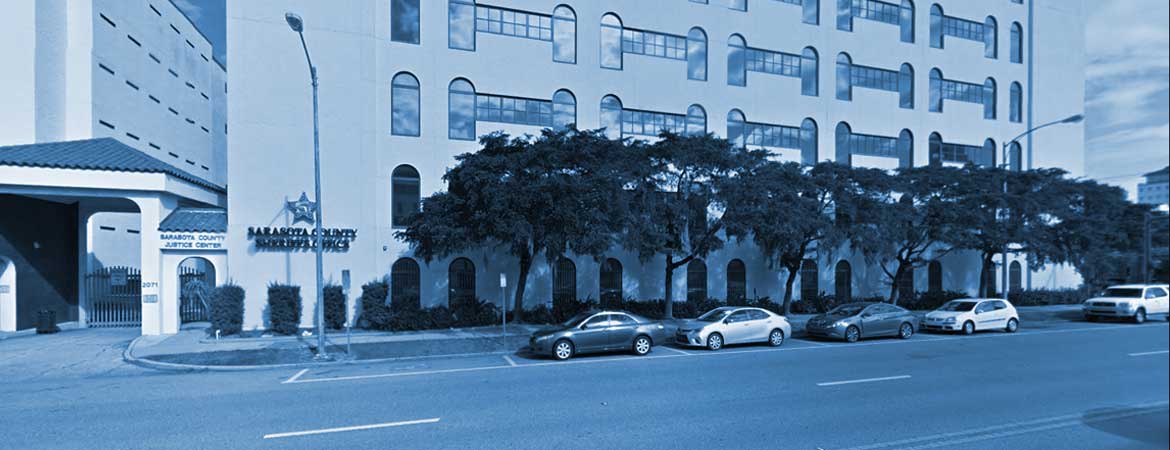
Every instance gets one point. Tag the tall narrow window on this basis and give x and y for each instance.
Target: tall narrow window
(936, 95)
(989, 99)
(811, 12)
(404, 195)
(987, 159)
(696, 120)
(808, 141)
(809, 280)
(564, 32)
(736, 282)
(564, 280)
(808, 72)
(936, 26)
(611, 282)
(460, 282)
(404, 284)
(1017, 44)
(611, 42)
(845, 15)
(461, 110)
(990, 38)
(1015, 157)
(934, 278)
(844, 83)
(1016, 103)
(404, 105)
(843, 152)
(1015, 276)
(564, 109)
(906, 21)
(843, 280)
(404, 20)
(461, 24)
(697, 54)
(736, 60)
(934, 149)
(696, 281)
(906, 86)
(905, 284)
(611, 116)
(736, 126)
(905, 148)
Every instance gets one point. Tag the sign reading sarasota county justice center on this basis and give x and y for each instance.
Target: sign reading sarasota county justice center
(292, 238)
(191, 241)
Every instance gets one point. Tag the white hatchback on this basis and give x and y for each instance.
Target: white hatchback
(969, 315)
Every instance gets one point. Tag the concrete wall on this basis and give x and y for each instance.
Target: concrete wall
(40, 238)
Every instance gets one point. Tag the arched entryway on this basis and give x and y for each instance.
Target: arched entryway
(196, 280)
(7, 295)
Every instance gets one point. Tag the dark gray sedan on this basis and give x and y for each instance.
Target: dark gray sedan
(853, 321)
(598, 331)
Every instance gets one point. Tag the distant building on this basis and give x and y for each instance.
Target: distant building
(1156, 189)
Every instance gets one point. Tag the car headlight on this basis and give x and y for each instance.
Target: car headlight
(840, 323)
(949, 320)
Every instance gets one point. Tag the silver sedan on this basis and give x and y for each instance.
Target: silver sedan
(733, 325)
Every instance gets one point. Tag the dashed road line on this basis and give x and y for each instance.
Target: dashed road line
(1159, 352)
(863, 380)
(351, 428)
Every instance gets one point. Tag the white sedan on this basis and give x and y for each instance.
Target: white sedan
(733, 325)
(969, 315)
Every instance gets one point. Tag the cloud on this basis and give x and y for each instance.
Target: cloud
(195, 12)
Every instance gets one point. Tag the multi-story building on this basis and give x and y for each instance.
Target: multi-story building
(1156, 189)
(405, 85)
(112, 116)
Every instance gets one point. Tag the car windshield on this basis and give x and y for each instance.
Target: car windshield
(847, 310)
(576, 319)
(714, 315)
(958, 306)
(1122, 292)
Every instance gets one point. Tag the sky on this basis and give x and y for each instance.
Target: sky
(1127, 83)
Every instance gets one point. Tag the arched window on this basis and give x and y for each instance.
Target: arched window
(808, 141)
(404, 20)
(564, 280)
(905, 148)
(934, 149)
(461, 24)
(736, 282)
(696, 120)
(808, 72)
(905, 284)
(906, 86)
(1015, 277)
(736, 60)
(906, 21)
(736, 127)
(1016, 103)
(697, 54)
(1017, 44)
(404, 284)
(461, 110)
(990, 38)
(564, 32)
(611, 116)
(404, 195)
(934, 281)
(936, 26)
(696, 280)
(460, 282)
(844, 80)
(611, 41)
(936, 96)
(988, 157)
(809, 280)
(843, 280)
(611, 282)
(404, 101)
(1015, 157)
(564, 109)
(844, 152)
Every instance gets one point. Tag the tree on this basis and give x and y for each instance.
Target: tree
(551, 194)
(671, 196)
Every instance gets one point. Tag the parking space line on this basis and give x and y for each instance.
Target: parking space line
(818, 344)
(676, 350)
(294, 378)
(509, 360)
(1160, 352)
(352, 428)
(863, 380)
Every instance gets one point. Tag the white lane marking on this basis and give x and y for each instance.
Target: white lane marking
(720, 353)
(1160, 352)
(676, 350)
(863, 380)
(1012, 429)
(294, 378)
(509, 360)
(353, 428)
(818, 344)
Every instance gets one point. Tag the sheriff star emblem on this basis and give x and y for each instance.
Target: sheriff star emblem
(302, 209)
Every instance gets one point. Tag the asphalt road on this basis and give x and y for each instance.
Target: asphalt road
(1064, 385)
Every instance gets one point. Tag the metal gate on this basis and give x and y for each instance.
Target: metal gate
(194, 291)
(114, 295)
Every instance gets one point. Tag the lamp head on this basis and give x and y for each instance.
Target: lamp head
(294, 22)
(1074, 119)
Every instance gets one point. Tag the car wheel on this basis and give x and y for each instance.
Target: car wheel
(776, 338)
(852, 334)
(563, 349)
(714, 341)
(642, 345)
(968, 327)
(1139, 316)
(905, 331)
(1013, 325)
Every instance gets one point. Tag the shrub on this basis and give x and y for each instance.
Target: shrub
(565, 309)
(410, 319)
(227, 309)
(334, 307)
(539, 314)
(1040, 297)
(284, 308)
(924, 301)
(374, 313)
(475, 313)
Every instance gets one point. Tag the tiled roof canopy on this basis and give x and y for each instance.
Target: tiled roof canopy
(95, 154)
(195, 220)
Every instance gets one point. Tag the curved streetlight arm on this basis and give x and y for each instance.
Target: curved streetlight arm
(1071, 119)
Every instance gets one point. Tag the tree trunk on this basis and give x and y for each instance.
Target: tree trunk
(521, 282)
(668, 311)
(894, 284)
(985, 288)
(788, 291)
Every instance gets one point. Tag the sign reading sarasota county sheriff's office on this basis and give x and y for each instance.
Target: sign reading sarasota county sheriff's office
(297, 238)
(191, 241)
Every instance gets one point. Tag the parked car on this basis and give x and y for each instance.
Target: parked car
(598, 331)
(733, 325)
(973, 314)
(1133, 301)
(853, 321)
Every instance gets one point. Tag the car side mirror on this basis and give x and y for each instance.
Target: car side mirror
(727, 321)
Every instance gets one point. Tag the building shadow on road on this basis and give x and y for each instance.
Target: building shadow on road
(1151, 428)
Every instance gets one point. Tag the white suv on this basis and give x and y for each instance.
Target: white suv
(1133, 301)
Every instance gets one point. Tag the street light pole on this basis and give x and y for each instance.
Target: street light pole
(297, 25)
(1076, 118)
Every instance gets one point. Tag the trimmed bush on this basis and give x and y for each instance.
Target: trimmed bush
(334, 307)
(925, 301)
(227, 309)
(475, 313)
(284, 308)
(1041, 297)
(373, 313)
